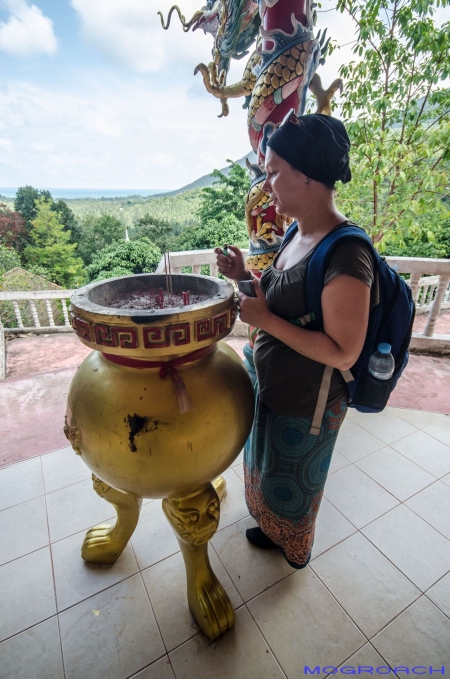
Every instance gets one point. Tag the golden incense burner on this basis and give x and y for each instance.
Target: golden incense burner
(159, 409)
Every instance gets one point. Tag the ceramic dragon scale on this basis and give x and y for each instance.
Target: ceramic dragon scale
(280, 69)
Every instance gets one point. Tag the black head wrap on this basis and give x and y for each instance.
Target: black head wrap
(315, 144)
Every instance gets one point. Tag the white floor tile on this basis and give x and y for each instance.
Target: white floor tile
(369, 588)
(419, 636)
(304, 625)
(161, 669)
(113, 634)
(232, 507)
(426, 451)
(354, 442)
(419, 551)
(440, 594)
(27, 596)
(20, 482)
(440, 430)
(76, 580)
(365, 657)
(398, 475)
(34, 654)
(63, 468)
(433, 505)
(417, 418)
(385, 426)
(241, 654)
(239, 460)
(338, 461)
(166, 586)
(239, 470)
(252, 570)
(154, 539)
(76, 508)
(446, 479)
(331, 527)
(23, 529)
(357, 496)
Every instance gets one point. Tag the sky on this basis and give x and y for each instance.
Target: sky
(94, 94)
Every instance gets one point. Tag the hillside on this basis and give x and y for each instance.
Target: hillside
(178, 207)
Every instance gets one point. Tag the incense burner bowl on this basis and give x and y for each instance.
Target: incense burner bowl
(159, 409)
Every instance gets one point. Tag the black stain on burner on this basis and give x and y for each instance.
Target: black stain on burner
(138, 425)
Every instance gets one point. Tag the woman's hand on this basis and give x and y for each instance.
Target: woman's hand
(254, 310)
(232, 266)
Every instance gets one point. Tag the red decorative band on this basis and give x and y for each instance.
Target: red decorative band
(167, 368)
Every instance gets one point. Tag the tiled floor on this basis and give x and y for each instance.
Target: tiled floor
(377, 591)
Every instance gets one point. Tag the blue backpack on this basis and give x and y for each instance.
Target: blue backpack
(390, 321)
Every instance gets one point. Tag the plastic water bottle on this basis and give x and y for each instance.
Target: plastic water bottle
(381, 364)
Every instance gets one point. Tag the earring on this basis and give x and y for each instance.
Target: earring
(307, 180)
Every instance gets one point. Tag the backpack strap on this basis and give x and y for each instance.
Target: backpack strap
(317, 266)
(314, 280)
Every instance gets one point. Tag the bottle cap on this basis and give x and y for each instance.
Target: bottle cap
(384, 348)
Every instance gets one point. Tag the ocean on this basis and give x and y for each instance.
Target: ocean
(90, 193)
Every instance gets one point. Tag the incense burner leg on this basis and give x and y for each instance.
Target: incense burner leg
(220, 486)
(194, 519)
(104, 544)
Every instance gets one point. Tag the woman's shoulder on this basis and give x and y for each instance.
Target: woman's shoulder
(353, 257)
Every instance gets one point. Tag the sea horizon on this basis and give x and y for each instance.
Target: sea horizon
(73, 194)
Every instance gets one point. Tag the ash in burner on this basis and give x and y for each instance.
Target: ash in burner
(155, 299)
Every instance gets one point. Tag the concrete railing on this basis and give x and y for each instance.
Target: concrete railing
(429, 281)
(46, 318)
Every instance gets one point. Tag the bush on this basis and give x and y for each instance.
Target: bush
(123, 259)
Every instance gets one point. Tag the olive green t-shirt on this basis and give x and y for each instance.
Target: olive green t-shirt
(288, 381)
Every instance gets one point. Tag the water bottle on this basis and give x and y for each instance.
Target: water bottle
(381, 364)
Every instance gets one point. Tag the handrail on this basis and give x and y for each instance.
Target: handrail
(429, 281)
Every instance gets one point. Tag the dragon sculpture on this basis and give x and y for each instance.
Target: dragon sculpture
(276, 78)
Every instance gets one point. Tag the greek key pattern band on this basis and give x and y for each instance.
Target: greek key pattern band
(154, 336)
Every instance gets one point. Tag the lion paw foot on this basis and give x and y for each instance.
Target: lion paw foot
(211, 608)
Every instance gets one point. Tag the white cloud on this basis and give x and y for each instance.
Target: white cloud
(27, 32)
(130, 33)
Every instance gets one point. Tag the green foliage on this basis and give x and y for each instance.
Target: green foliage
(124, 258)
(158, 231)
(215, 233)
(25, 202)
(97, 233)
(396, 105)
(180, 210)
(51, 249)
(435, 245)
(226, 196)
(9, 259)
(221, 213)
(67, 219)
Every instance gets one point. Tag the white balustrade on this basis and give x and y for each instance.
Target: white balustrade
(429, 280)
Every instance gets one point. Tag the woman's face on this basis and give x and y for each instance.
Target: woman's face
(284, 184)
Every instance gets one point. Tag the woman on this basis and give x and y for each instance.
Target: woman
(285, 465)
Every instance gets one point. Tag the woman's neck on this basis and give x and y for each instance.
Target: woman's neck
(319, 222)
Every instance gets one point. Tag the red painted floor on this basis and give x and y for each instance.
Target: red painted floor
(40, 369)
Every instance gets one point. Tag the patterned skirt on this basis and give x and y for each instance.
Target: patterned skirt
(285, 472)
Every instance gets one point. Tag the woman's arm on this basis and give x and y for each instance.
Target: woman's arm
(345, 309)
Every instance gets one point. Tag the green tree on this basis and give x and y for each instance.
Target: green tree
(51, 248)
(67, 219)
(25, 202)
(158, 231)
(396, 105)
(215, 233)
(226, 196)
(124, 258)
(8, 259)
(96, 233)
